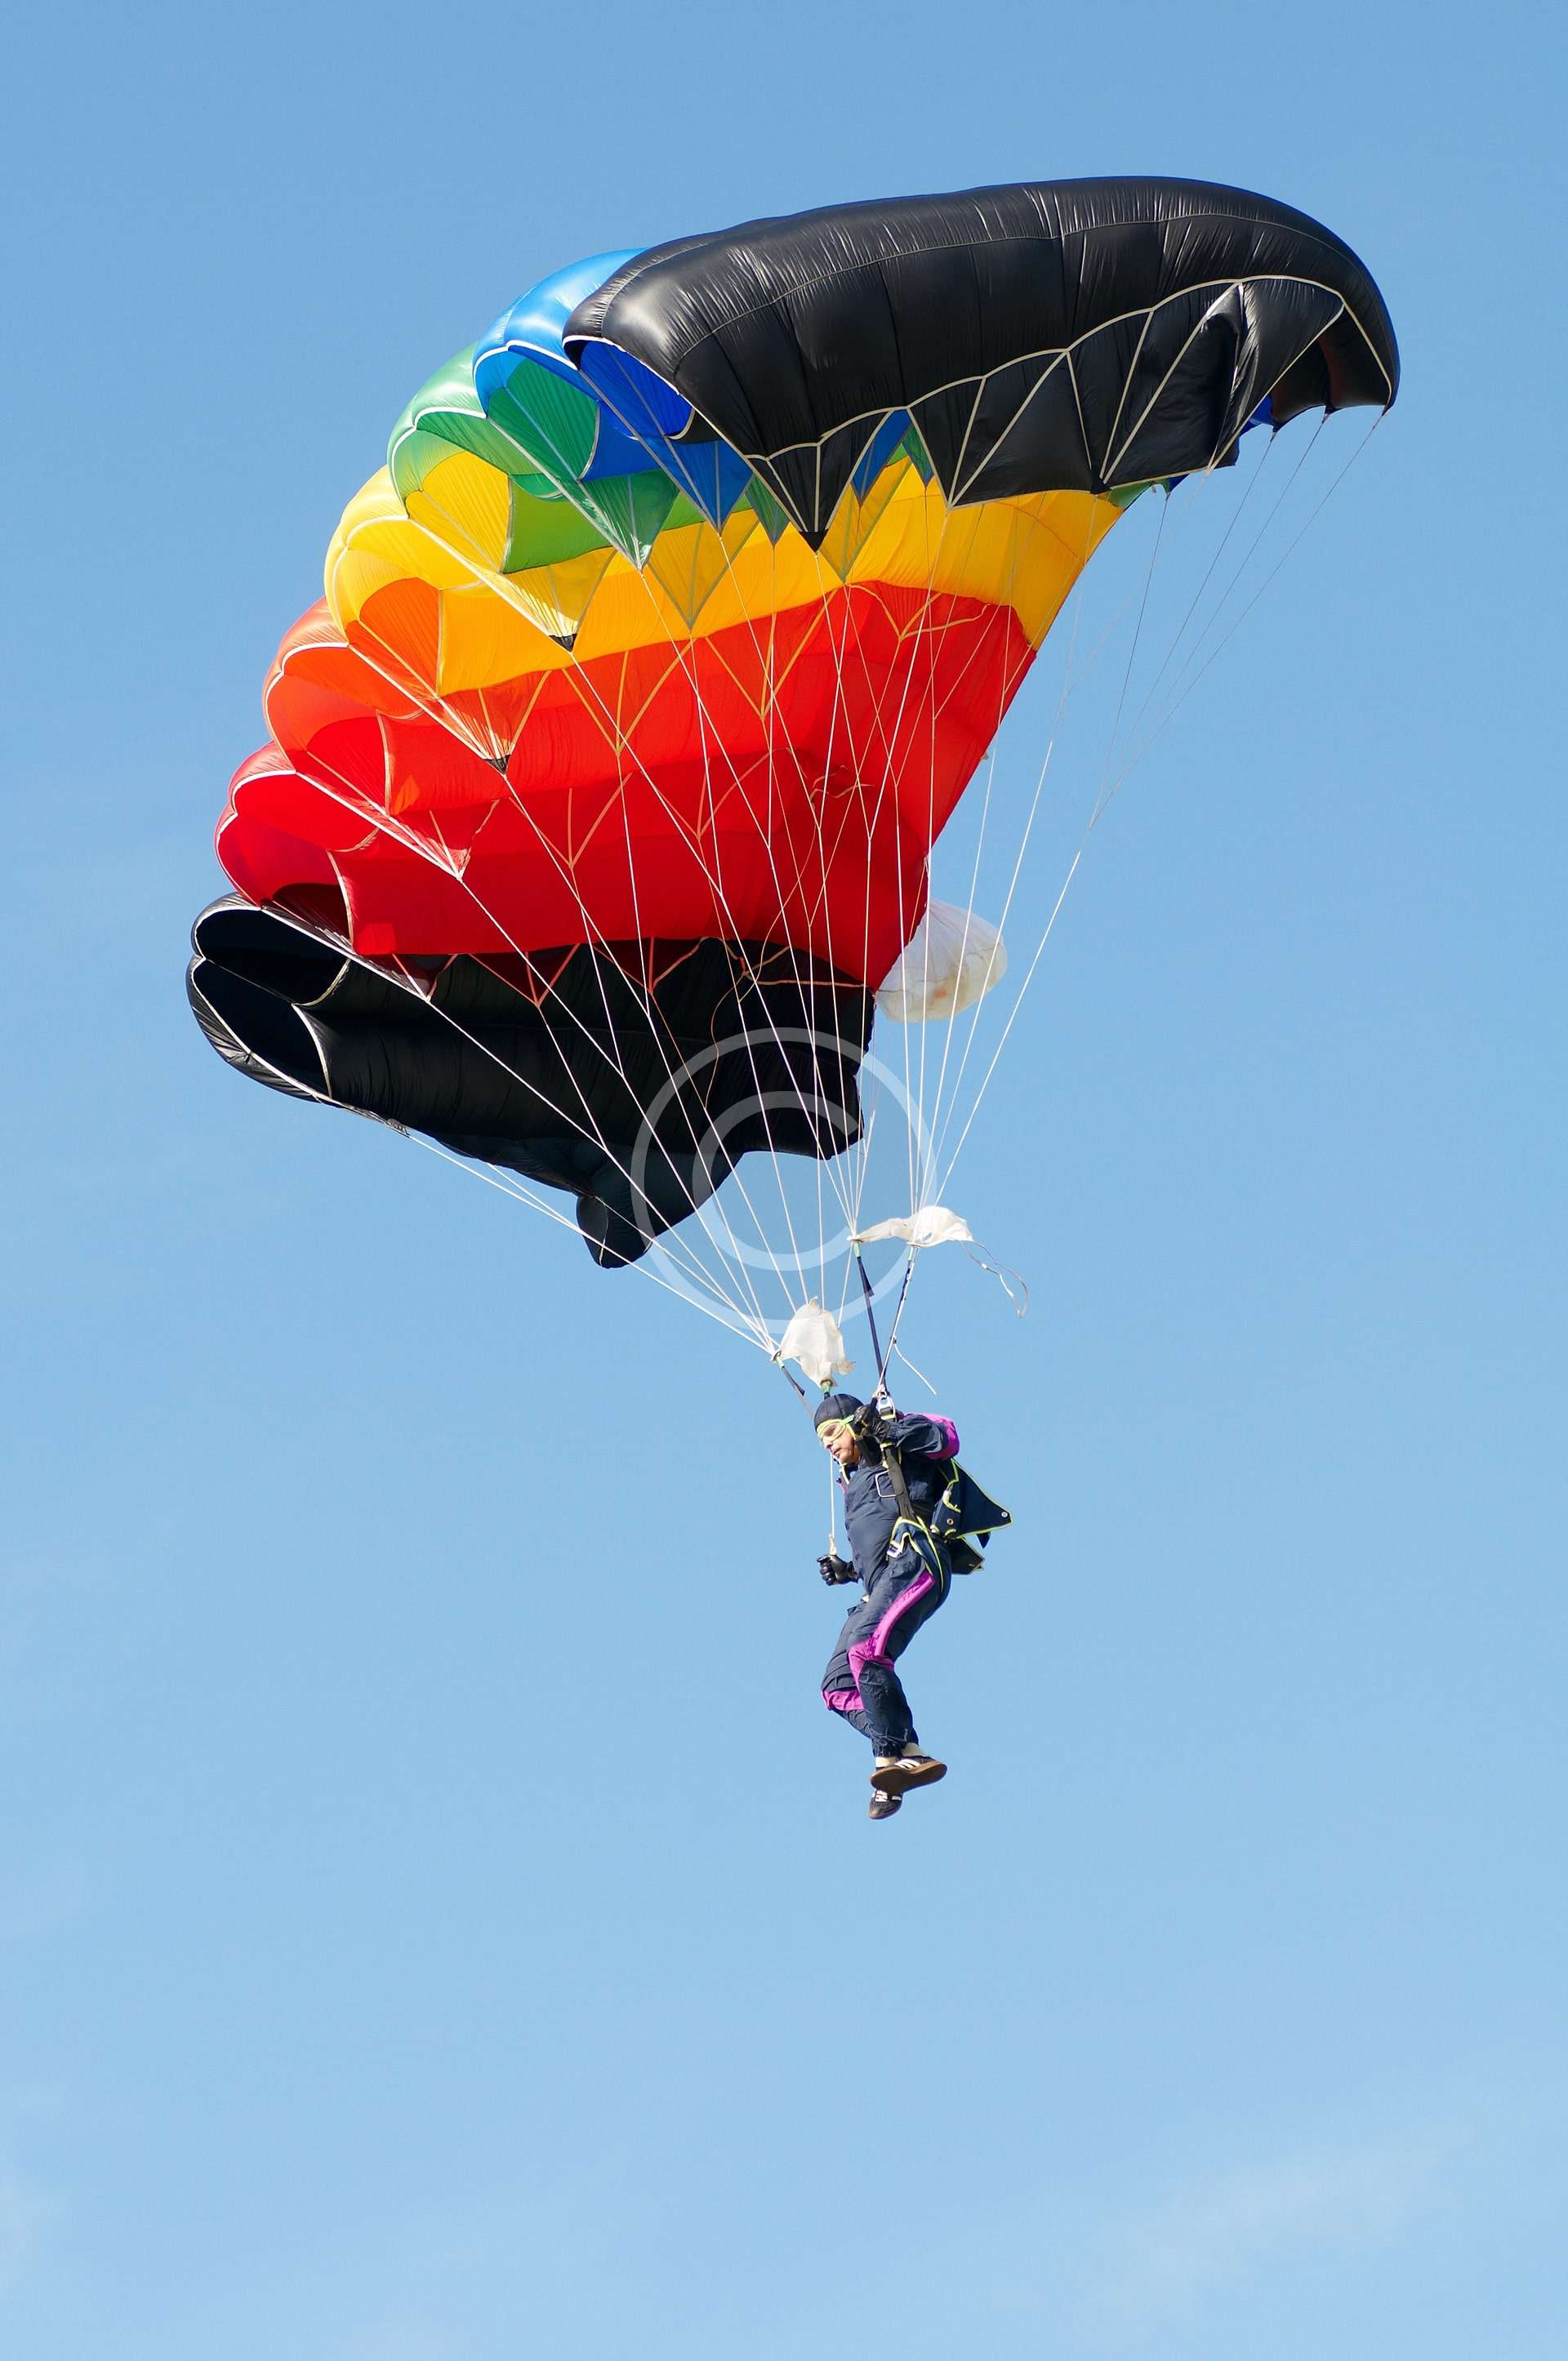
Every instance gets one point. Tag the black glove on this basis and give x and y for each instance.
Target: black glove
(832, 1568)
(875, 1422)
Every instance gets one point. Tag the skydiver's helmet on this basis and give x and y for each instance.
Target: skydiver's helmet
(834, 1407)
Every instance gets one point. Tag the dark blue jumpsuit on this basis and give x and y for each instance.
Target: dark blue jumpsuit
(902, 1591)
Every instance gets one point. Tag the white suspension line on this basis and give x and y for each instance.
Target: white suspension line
(1217, 610)
(523, 1195)
(1250, 485)
(684, 655)
(920, 633)
(978, 1011)
(443, 715)
(1068, 682)
(698, 1270)
(1142, 749)
(704, 722)
(684, 650)
(1012, 1013)
(818, 805)
(917, 1129)
(681, 650)
(734, 1171)
(1182, 693)
(594, 1135)
(898, 1354)
(1005, 690)
(807, 989)
(1102, 797)
(838, 708)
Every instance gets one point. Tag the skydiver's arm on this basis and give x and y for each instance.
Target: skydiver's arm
(927, 1438)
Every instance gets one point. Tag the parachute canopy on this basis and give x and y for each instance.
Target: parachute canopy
(601, 786)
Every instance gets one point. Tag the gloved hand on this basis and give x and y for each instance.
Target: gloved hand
(833, 1568)
(875, 1422)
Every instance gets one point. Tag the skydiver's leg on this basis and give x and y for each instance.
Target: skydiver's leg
(840, 1691)
(907, 1595)
(861, 1684)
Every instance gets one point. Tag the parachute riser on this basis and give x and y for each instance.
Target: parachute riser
(879, 1391)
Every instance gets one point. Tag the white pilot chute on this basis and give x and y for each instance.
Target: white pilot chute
(932, 1225)
(951, 961)
(815, 1341)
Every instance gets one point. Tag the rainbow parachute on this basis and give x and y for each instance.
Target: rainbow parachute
(601, 785)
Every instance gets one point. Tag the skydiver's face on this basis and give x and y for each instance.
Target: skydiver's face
(838, 1440)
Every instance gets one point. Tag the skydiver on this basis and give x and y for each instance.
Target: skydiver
(895, 1471)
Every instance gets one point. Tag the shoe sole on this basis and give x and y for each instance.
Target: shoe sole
(897, 1780)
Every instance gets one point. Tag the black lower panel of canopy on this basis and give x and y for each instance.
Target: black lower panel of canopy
(634, 1075)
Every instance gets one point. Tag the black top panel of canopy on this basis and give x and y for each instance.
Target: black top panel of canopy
(1043, 335)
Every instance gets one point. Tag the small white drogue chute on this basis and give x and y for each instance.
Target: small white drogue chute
(951, 961)
(932, 1225)
(937, 1225)
(815, 1340)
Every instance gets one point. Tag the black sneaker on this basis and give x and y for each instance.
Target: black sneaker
(907, 1770)
(882, 1807)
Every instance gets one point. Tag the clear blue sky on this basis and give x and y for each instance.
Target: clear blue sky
(438, 1920)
